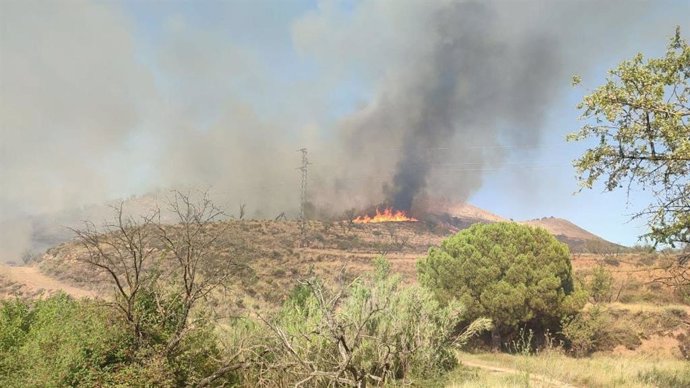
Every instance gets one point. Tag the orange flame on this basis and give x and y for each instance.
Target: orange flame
(388, 215)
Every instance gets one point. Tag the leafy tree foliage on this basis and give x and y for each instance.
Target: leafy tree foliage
(514, 274)
(640, 123)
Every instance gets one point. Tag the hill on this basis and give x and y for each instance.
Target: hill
(577, 238)
(278, 259)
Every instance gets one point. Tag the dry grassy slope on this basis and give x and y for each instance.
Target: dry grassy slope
(29, 282)
(272, 249)
(577, 238)
(461, 210)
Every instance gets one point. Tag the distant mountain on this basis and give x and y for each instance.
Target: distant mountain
(578, 239)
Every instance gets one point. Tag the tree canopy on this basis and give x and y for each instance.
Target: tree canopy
(640, 123)
(514, 274)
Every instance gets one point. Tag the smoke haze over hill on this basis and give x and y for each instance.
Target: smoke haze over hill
(395, 100)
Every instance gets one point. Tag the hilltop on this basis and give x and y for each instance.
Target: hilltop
(577, 238)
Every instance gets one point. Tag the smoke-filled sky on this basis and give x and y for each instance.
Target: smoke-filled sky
(397, 101)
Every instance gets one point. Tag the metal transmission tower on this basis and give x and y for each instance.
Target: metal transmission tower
(303, 194)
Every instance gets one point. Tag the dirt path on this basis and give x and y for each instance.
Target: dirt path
(346, 253)
(545, 381)
(33, 279)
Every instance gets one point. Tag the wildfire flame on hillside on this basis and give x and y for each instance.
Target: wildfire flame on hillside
(387, 215)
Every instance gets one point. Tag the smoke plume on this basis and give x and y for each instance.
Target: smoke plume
(472, 86)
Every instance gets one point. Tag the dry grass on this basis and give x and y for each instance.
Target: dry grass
(597, 371)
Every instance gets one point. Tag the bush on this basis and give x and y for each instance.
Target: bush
(684, 344)
(516, 275)
(586, 331)
(597, 330)
(600, 285)
(371, 332)
(612, 261)
(58, 342)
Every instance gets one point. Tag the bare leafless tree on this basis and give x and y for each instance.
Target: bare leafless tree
(191, 244)
(122, 249)
(186, 257)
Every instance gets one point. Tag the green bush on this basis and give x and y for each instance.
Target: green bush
(58, 342)
(600, 285)
(518, 276)
(586, 331)
(373, 331)
(597, 329)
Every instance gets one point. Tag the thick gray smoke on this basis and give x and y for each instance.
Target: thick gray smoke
(474, 85)
(96, 104)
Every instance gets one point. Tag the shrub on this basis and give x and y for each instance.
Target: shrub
(600, 285)
(516, 275)
(371, 332)
(648, 260)
(684, 344)
(597, 330)
(586, 331)
(612, 261)
(58, 342)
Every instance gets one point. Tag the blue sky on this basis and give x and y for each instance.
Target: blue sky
(273, 75)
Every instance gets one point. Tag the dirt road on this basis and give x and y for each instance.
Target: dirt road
(541, 381)
(33, 279)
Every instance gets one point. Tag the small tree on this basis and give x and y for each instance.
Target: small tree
(640, 121)
(121, 249)
(514, 274)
